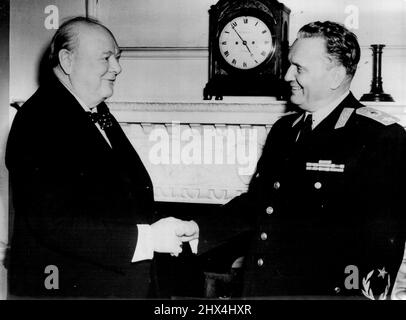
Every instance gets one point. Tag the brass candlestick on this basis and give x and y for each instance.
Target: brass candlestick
(376, 93)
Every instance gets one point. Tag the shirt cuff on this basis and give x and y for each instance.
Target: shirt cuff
(145, 244)
(193, 245)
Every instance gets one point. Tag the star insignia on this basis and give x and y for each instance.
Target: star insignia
(382, 273)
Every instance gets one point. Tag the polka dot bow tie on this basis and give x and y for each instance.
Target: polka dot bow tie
(103, 117)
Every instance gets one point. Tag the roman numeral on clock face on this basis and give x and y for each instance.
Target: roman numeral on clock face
(245, 42)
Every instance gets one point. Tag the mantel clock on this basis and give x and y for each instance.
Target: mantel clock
(248, 49)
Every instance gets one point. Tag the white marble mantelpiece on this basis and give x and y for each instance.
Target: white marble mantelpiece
(204, 112)
(212, 181)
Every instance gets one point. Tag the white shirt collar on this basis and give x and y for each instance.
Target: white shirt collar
(322, 113)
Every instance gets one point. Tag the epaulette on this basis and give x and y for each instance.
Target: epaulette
(380, 116)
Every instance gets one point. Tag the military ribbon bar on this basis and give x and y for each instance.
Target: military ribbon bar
(324, 165)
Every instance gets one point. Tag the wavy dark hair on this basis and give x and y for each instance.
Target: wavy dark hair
(341, 44)
(67, 37)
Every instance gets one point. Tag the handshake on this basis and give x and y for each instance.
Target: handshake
(169, 234)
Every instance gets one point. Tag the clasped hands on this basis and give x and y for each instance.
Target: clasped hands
(169, 234)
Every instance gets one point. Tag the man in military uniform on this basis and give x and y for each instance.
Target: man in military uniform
(325, 201)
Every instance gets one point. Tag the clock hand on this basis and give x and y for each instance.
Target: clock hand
(243, 41)
(238, 34)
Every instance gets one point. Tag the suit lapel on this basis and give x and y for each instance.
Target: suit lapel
(88, 140)
(81, 126)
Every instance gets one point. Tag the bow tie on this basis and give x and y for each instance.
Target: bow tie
(103, 116)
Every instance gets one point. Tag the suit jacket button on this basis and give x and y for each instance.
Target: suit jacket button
(264, 236)
(317, 185)
(269, 210)
(276, 185)
(260, 262)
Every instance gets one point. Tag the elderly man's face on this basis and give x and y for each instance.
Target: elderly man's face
(94, 66)
(310, 74)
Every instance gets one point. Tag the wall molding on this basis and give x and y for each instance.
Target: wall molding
(163, 53)
(186, 53)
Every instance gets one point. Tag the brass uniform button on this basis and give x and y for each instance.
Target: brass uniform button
(317, 185)
(276, 185)
(264, 236)
(269, 210)
(260, 262)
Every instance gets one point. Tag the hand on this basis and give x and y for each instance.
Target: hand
(187, 231)
(168, 234)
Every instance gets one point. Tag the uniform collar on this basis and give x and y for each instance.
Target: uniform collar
(322, 113)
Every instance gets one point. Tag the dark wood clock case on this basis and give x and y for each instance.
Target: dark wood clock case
(267, 78)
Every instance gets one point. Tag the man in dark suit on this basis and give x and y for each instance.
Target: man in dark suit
(85, 222)
(325, 203)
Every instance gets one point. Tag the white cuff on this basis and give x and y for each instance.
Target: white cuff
(145, 244)
(193, 245)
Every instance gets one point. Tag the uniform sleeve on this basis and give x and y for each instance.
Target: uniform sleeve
(384, 232)
(237, 217)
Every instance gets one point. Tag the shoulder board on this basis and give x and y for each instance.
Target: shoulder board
(379, 116)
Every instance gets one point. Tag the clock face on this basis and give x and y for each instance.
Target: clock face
(246, 42)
